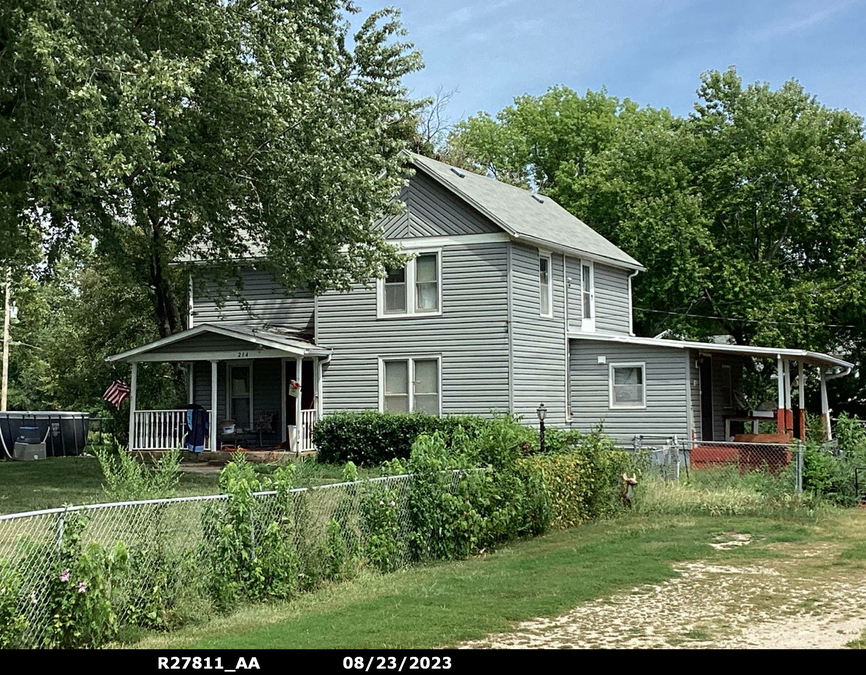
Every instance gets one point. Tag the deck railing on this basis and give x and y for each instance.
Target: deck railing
(159, 430)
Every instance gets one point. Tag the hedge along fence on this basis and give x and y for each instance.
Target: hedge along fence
(85, 576)
(370, 438)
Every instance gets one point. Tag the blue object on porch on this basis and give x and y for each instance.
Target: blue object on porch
(196, 428)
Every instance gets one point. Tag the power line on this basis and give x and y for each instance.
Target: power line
(728, 318)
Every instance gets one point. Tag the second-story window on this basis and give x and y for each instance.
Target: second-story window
(414, 289)
(427, 283)
(545, 288)
(395, 292)
(587, 283)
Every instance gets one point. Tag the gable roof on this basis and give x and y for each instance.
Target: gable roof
(261, 338)
(534, 218)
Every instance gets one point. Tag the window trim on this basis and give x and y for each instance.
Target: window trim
(548, 256)
(587, 325)
(411, 288)
(230, 399)
(411, 374)
(611, 399)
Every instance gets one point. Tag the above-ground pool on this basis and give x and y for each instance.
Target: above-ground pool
(65, 433)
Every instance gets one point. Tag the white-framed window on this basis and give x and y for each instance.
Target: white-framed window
(587, 296)
(239, 398)
(727, 385)
(412, 290)
(545, 283)
(407, 384)
(628, 385)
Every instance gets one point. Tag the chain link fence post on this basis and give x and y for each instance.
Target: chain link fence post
(61, 527)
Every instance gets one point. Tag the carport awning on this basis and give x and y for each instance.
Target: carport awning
(211, 342)
(813, 358)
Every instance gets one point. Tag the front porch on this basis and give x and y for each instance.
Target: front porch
(247, 389)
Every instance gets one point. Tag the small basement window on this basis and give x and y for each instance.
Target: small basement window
(627, 385)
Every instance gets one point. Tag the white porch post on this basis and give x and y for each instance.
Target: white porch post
(133, 387)
(801, 397)
(190, 382)
(299, 373)
(825, 407)
(789, 406)
(213, 406)
(780, 394)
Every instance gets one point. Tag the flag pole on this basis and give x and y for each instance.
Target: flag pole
(4, 387)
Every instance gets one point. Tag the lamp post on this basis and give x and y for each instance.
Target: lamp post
(541, 411)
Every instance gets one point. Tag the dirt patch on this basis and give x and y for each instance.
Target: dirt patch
(775, 604)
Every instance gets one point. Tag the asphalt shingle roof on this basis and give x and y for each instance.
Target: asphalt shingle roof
(521, 215)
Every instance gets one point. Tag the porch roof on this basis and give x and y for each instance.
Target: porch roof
(212, 342)
(814, 358)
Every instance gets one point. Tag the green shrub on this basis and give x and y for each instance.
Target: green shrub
(371, 438)
(583, 477)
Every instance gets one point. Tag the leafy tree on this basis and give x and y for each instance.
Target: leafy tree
(204, 128)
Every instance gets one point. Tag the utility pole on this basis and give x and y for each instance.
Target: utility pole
(4, 387)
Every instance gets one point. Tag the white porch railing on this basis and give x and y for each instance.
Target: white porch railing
(305, 432)
(159, 430)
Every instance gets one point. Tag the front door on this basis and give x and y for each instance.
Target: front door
(706, 398)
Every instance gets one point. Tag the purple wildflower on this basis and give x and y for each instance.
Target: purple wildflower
(82, 587)
(64, 576)
(392, 502)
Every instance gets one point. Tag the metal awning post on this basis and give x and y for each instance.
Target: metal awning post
(801, 397)
(780, 395)
(825, 406)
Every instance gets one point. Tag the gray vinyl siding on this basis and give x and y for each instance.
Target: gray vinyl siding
(201, 390)
(206, 342)
(433, 211)
(666, 407)
(611, 299)
(695, 388)
(261, 300)
(575, 299)
(470, 336)
(538, 343)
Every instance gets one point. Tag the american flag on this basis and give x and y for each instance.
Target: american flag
(116, 393)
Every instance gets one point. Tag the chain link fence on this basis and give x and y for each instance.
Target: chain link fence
(766, 467)
(169, 542)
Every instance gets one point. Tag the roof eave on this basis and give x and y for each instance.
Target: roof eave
(745, 350)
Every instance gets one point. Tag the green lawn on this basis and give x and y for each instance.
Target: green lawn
(28, 486)
(443, 604)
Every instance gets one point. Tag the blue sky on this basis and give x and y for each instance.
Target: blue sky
(651, 51)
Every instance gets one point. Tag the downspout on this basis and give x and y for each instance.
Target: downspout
(826, 377)
(630, 303)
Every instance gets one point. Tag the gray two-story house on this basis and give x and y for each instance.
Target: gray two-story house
(507, 301)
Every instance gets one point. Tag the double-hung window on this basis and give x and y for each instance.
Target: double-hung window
(240, 389)
(587, 290)
(410, 384)
(414, 289)
(628, 385)
(545, 288)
